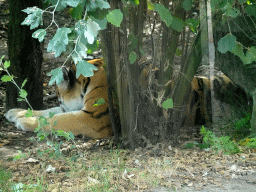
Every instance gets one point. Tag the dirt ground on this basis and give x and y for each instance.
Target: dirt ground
(174, 168)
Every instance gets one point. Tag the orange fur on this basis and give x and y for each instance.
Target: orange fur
(76, 113)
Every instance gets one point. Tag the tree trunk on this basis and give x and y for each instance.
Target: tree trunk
(25, 54)
(181, 90)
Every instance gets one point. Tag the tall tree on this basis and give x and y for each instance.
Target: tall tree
(25, 54)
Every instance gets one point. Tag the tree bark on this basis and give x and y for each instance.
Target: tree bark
(26, 56)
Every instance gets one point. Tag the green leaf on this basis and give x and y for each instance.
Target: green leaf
(230, 11)
(193, 24)
(164, 13)
(93, 47)
(187, 4)
(251, 55)
(51, 114)
(178, 24)
(93, 5)
(227, 43)
(91, 31)
(59, 41)
(41, 138)
(84, 68)
(102, 23)
(168, 103)
(24, 82)
(115, 17)
(23, 93)
(71, 136)
(77, 12)
(7, 64)
(251, 10)
(29, 113)
(6, 78)
(34, 19)
(238, 50)
(80, 50)
(133, 42)
(62, 4)
(137, 2)
(43, 121)
(57, 76)
(73, 3)
(39, 34)
(37, 129)
(150, 5)
(132, 57)
(98, 102)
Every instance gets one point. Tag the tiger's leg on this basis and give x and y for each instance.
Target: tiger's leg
(14, 114)
(78, 122)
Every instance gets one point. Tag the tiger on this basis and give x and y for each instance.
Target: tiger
(199, 111)
(77, 112)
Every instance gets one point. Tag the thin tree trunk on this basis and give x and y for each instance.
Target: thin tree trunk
(215, 107)
(25, 54)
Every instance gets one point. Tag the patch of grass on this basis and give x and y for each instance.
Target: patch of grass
(219, 144)
(5, 175)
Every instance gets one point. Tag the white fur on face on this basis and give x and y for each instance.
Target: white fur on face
(73, 104)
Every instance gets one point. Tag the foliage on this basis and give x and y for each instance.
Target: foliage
(81, 37)
(239, 129)
(6, 78)
(4, 179)
(251, 143)
(43, 121)
(86, 29)
(242, 126)
(219, 144)
(168, 103)
(19, 156)
(98, 102)
(229, 43)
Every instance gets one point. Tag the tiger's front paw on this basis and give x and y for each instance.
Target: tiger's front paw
(27, 124)
(14, 114)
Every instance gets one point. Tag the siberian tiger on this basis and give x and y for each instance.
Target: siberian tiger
(76, 112)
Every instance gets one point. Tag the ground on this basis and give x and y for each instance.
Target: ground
(97, 165)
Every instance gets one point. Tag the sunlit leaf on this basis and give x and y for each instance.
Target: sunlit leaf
(115, 17)
(168, 103)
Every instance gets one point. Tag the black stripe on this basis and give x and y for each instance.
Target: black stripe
(92, 91)
(86, 85)
(90, 113)
(97, 88)
(102, 114)
(62, 108)
(98, 116)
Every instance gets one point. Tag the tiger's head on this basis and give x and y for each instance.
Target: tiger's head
(72, 91)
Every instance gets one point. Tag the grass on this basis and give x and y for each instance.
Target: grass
(5, 175)
(102, 168)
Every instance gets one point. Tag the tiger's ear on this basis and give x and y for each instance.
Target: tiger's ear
(69, 76)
